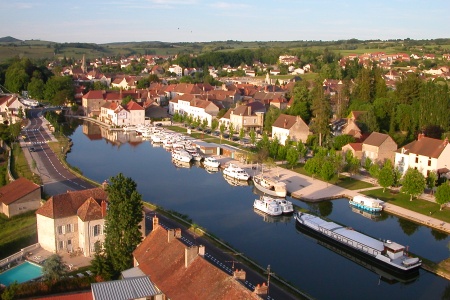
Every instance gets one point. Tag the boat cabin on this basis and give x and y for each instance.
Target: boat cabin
(393, 250)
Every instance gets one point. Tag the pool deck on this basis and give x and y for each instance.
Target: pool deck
(73, 262)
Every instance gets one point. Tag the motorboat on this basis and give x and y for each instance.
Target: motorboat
(181, 155)
(267, 205)
(235, 182)
(234, 171)
(210, 161)
(211, 170)
(367, 203)
(269, 185)
(286, 206)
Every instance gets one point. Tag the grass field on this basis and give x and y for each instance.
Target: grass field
(20, 166)
(17, 232)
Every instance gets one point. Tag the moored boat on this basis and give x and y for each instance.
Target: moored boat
(386, 254)
(267, 205)
(367, 203)
(181, 155)
(286, 206)
(234, 171)
(269, 185)
(210, 161)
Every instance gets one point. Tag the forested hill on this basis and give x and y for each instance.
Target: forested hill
(9, 39)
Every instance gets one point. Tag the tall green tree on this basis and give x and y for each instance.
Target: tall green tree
(36, 88)
(122, 221)
(413, 183)
(292, 156)
(59, 89)
(270, 117)
(321, 111)
(327, 171)
(443, 194)
(386, 176)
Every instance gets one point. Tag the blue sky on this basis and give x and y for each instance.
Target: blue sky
(100, 21)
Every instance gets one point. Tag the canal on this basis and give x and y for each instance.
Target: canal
(227, 212)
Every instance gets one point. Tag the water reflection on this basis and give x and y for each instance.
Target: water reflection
(235, 182)
(273, 219)
(370, 215)
(384, 275)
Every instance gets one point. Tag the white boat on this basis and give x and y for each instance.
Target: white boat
(181, 155)
(210, 161)
(367, 203)
(235, 182)
(269, 185)
(211, 170)
(267, 205)
(286, 206)
(181, 164)
(386, 254)
(129, 128)
(236, 172)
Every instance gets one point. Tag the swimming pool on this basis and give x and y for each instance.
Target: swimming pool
(21, 273)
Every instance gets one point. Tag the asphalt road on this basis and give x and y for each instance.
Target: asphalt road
(55, 177)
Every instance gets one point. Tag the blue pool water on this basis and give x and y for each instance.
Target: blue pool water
(21, 273)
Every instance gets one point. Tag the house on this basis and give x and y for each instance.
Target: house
(354, 148)
(9, 108)
(139, 287)
(426, 155)
(92, 102)
(351, 128)
(249, 116)
(19, 196)
(114, 113)
(190, 105)
(290, 126)
(176, 69)
(378, 147)
(72, 221)
(182, 272)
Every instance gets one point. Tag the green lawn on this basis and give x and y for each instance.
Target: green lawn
(20, 166)
(350, 183)
(17, 232)
(417, 205)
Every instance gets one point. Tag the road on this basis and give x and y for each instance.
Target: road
(55, 177)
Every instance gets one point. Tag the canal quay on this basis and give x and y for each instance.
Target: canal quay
(226, 211)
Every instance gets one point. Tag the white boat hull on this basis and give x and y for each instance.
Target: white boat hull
(277, 191)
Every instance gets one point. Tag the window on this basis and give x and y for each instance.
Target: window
(69, 228)
(61, 245)
(417, 159)
(60, 230)
(429, 162)
(97, 230)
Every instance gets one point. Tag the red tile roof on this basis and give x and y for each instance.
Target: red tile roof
(67, 204)
(16, 190)
(85, 295)
(164, 262)
(90, 210)
(376, 139)
(426, 146)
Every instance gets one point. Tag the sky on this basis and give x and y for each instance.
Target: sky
(100, 21)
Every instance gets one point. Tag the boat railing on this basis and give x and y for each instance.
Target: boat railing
(348, 241)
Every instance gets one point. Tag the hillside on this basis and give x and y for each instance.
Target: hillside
(8, 39)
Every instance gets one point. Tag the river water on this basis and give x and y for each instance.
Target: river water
(227, 212)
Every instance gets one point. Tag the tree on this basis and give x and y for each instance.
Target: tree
(231, 130)
(252, 135)
(59, 89)
(431, 180)
(126, 100)
(241, 133)
(53, 268)
(122, 221)
(413, 183)
(10, 292)
(222, 130)
(342, 140)
(100, 265)
(321, 111)
(327, 171)
(292, 156)
(214, 124)
(36, 88)
(386, 176)
(442, 194)
(270, 117)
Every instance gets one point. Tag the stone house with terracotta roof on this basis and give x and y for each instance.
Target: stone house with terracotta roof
(354, 148)
(191, 105)
(72, 221)
(114, 113)
(19, 196)
(92, 102)
(182, 272)
(249, 116)
(9, 108)
(378, 147)
(426, 155)
(290, 126)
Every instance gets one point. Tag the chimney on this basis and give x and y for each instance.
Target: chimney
(261, 290)
(201, 250)
(420, 136)
(178, 233)
(249, 110)
(105, 185)
(446, 141)
(104, 208)
(239, 274)
(170, 235)
(285, 123)
(189, 255)
(155, 222)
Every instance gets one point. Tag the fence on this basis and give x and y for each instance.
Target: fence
(18, 255)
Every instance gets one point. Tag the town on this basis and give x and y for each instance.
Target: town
(378, 116)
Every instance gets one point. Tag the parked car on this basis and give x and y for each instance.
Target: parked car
(216, 133)
(32, 149)
(159, 124)
(235, 138)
